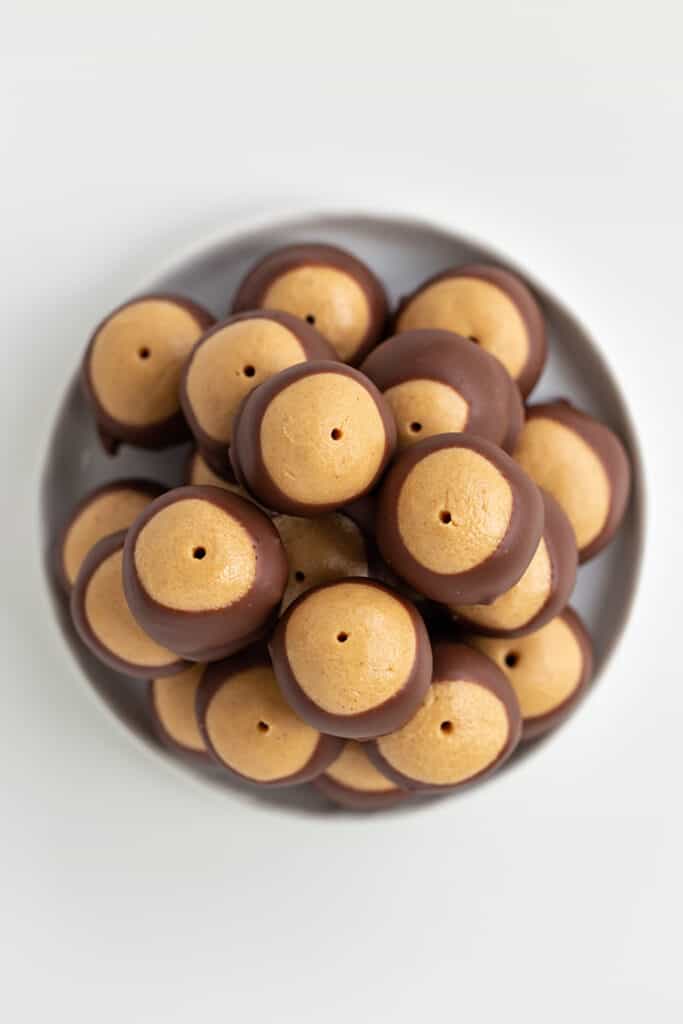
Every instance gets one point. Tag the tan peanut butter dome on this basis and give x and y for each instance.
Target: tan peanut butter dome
(467, 725)
(325, 287)
(491, 307)
(320, 550)
(107, 510)
(582, 463)
(352, 658)
(251, 729)
(354, 782)
(104, 621)
(234, 358)
(204, 571)
(355, 770)
(437, 382)
(455, 518)
(173, 704)
(548, 669)
(133, 367)
(313, 438)
(541, 592)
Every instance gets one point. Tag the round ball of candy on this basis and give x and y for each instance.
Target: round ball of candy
(458, 520)
(584, 466)
(489, 305)
(228, 362)
(541, 592)
(467, 726)
(352, 658)
(251, 730)
(549, 670)
(204, 571)
(437, 382)
(312, 438)
(104, 621)
(353, 781)
(172, 703)
(320, 550)
(104, 511)
(132, 367)
(325, 286)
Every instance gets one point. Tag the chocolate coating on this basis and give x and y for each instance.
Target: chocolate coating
(481, 729)
(593, 490)
(438, 382)
(218, 568)
(331, 434)
(269, 723)
(476, 317)
(228, 362)
(515, 418)
(544, 596)
(137, 368)
(324, 301)
(172, 706)
(504, 539)
(106, 510)
(355, 655)
(549, 670)
(104, 622)
(353, 782)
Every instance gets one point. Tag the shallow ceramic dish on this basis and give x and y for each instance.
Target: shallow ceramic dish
(403, 251)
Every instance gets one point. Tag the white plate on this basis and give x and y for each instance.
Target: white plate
(403, 251)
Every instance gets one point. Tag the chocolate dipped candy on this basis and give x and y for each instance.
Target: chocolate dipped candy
(491, 307)
(198, 473)
(325, 286)
(467, 726)
(549, 670)
(457, 519)
(204, 571)
(132, 367)
(584, 466)
(251, 730)
(352, 658)
(172, 702)
(104, 511)
(228, 362)
(353, 781)
(104, 621)
(437, 382)
(320, 550)
(541, 592)
(312, 438)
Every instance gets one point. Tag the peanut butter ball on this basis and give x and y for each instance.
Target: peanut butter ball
(352, 781)
(328, 288)
(491, 307)
(584, 466)
(549, 670)
(312, 438)
(172, 702)
(204, 571)
(104, 511)
(228, 362)
(352, 658)
(132, 367)
(251, 730)
(467, 726)
(104, 621)
(437, 382)
(320, 550)
(457, 519)
(541, 592)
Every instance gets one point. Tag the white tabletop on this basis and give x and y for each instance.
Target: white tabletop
(133, 893)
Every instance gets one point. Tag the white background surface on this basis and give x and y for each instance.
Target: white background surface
(131, 893)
